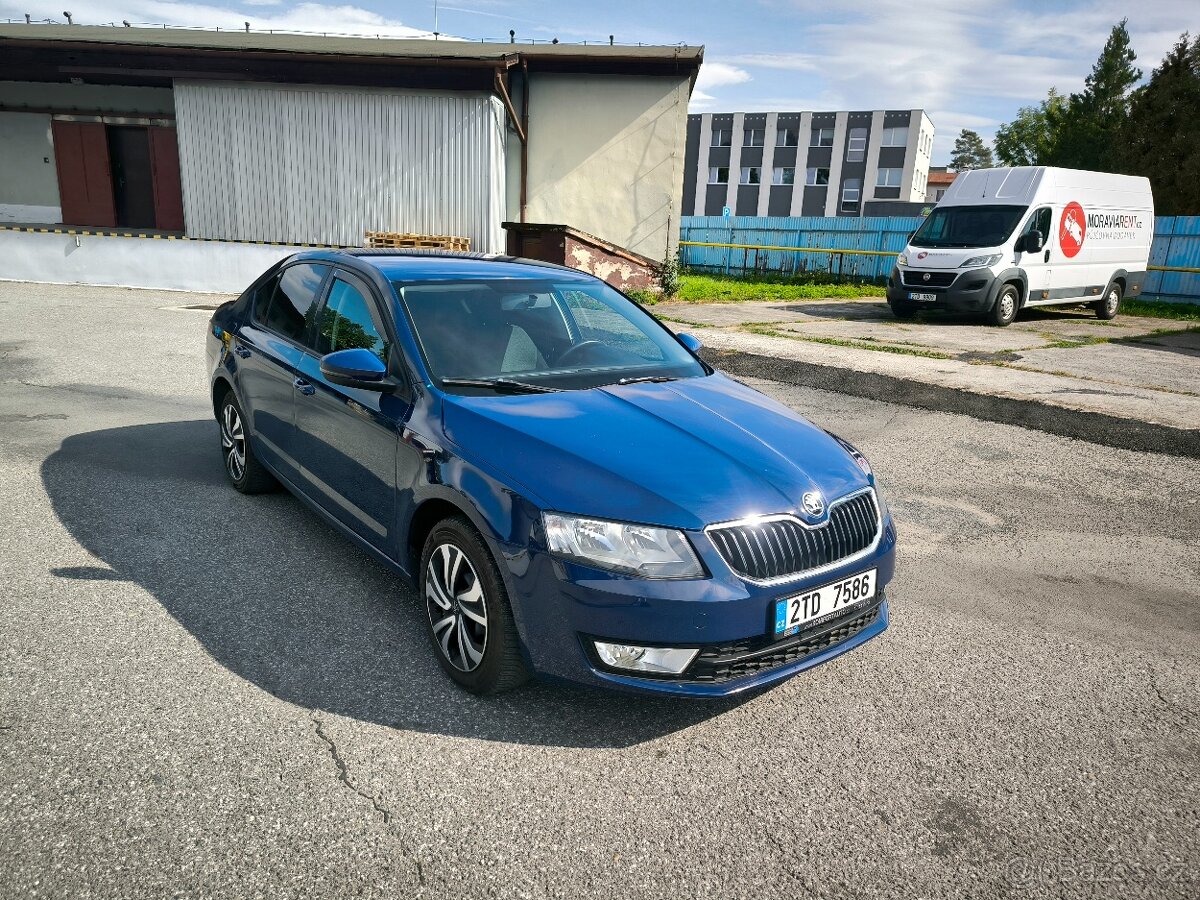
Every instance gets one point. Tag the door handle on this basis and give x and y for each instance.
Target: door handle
(242, 350)
(304, 387)
(1046, 256)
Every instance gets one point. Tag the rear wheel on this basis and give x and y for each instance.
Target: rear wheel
(1110, 305)
(470, 620)
(242, 467)
(1005, 308)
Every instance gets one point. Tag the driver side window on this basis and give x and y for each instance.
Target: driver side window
(347, 322)
(1039, 221)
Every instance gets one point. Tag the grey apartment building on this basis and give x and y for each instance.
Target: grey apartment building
(804, 163)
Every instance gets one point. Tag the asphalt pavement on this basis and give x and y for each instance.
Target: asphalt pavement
(210, 695)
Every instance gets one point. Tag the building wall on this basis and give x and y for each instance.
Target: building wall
(324, 165)
(801, 199)
(606, 156)
(28, 177)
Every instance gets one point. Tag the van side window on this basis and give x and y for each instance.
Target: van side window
(1039, 221)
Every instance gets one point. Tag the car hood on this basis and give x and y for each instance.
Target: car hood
(684, 454)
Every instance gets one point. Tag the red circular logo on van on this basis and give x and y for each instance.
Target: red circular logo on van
(1071, 229)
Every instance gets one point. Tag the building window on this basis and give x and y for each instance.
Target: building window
(851, 193)
(895, 137)
(856, 148)
(751, 175)
(889, 178)
(753, 137)
(817, 176)
(783, 175)
(718, 175)
(722, 137)
(786, 137)
(822, 137)
(941, 192)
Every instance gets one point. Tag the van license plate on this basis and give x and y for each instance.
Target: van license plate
(922, 298)
(793, 613)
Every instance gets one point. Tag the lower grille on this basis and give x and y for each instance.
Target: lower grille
(781, 548)
(914, 278)
(718, 663)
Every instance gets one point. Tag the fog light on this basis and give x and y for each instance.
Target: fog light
(668, 660)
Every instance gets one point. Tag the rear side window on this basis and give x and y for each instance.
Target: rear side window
(347, 322)
(292, 304)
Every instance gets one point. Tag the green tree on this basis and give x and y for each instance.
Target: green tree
(1085, 129)
(970, 152)
(1161, 137)
(1027, 139)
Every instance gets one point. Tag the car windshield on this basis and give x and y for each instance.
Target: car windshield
(968, 226)
(515, 334)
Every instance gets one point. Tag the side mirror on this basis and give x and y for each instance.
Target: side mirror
(1031, 241)
(356, 368)
(692, 343)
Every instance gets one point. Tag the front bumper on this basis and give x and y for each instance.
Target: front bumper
(971, 291)
(560, 608)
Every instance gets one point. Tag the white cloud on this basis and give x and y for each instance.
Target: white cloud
(718, 74)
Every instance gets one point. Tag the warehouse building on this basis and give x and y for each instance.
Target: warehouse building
(247, 137)
(804, 163)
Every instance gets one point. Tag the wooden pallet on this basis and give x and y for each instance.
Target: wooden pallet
(376, 239)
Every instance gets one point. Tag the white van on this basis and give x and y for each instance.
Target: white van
(1004, 239)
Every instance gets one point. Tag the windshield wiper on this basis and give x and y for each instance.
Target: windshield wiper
(644, 379)
(501, 385)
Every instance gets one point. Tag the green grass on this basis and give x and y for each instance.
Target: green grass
(864, 344)
(696, 288)
(1187, 312)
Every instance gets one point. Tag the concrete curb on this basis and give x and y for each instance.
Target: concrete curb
(1098, 428)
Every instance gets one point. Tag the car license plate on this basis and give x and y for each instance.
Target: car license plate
(922, 298)
(793, 613)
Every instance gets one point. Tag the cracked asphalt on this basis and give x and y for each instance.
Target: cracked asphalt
(210, 695)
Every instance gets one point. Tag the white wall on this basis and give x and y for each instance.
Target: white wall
(134, 262)
(326, 164)
(28, 178)
(606, 157)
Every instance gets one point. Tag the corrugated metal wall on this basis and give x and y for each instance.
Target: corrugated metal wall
(322, 165)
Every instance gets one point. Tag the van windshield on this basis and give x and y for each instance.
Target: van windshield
(968, 226)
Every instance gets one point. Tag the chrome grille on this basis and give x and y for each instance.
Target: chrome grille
(780, 548)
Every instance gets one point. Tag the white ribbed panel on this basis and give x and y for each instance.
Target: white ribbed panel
(324, 165)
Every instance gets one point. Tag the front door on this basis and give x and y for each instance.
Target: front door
(133, 182)
(347, 439)
(1037, 264)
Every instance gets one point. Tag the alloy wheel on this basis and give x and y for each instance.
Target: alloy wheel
(457, 612)
(233, 442)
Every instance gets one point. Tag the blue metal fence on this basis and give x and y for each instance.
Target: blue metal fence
(757, 243)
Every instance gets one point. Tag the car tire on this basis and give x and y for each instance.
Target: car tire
(1004, 310)
(1111, 304)
(903, 310)
(468, 616)
(242, 467)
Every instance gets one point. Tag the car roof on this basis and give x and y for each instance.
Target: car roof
(420, 265)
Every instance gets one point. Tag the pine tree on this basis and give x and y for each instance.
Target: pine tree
(1085, 129)
(1027, 139)
(970, 152)
(1161, 137)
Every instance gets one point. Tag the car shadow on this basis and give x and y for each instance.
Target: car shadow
(283, 601)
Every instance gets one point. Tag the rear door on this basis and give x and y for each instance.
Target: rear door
(268, 350)
(347, 439)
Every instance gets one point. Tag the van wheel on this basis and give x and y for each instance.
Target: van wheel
(1110, 305)
(903, 310)
(1005, 308)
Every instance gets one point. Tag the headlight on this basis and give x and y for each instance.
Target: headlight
(902, 259)
(978, 261)
(637, 549)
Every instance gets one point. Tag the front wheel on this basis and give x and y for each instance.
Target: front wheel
(470, 621)
(902, 310)
(1005, 308)
(1110, 305)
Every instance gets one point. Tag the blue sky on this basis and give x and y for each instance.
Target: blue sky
(968, 63)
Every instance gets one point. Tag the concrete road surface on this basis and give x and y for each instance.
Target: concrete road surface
(210, 695)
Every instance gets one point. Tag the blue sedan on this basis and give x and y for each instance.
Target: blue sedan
(571, 489)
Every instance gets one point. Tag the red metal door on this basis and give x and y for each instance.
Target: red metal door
(84, 174)
(168, 193)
